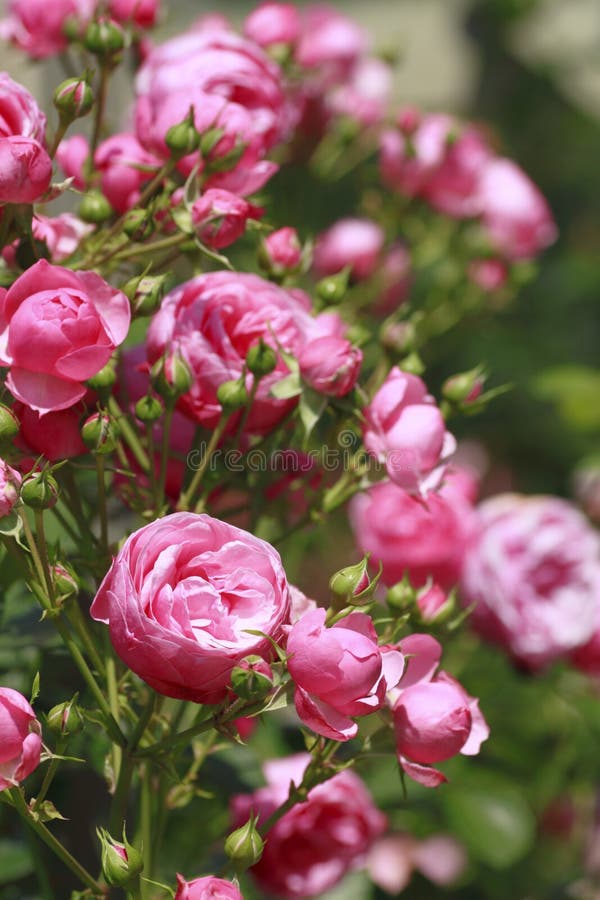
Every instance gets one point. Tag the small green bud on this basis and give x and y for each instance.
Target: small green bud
(349, 582)
(244, 846)
(401, 596)
(149, 409)
(100, 433)
(65, 718)
(104, 379)
(104, 37)
(232, 395)
(9, 424)
(252, 678)
(138, 224)
(95, 208)
(73, 99)
(464, 387)
(171, 377)
(227, 161)
(145, 293)
(399, 337)
(121, 863)
(66, 586)
(183, 138)
(72, 29)
(333, 288)
(261, 359)
(413, 364)
(40, 491)
(209, 140)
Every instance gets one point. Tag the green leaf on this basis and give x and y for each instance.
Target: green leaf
(574, 390)
(11, 525)
(311, 408)
(15, 861)
(35, 688)
(183, 219)
(47, 811)
(288, 387)
(493, 819)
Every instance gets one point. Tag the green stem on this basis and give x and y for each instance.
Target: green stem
(80, 625)
(54, 844)
(113, 702)
(247, 410)
(129, 434)
(186, 497)
(164, 453)
(43, 551)
(58, 136)
(37, 562)
(143, 249)
(119, 804)
(102, 510)
(99, 110)
(50, 773)
(146, 819)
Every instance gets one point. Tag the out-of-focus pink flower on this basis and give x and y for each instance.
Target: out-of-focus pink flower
(10, 482)
(394, 857)
(25, 170)
(75, 320)
(37, 27)
(431, 601)
(208, 888)
(273, 23)
(340, 672)
(533, 569)
(220, 217)
(213, 320)
(405, 430)
(232, 86)
(125, 167)
(282, 251)
(357, 243)
(424, 539)
(61, 234)
(330, 365)
(20, 114)
(56, 435)
(330, 41)
(488, 274)
(365, 96)
(20, 741)
(71, 156)
(440, 858)
(181, 598)
(141, 13)
(395, 275)
(317, 842)
(515, 214)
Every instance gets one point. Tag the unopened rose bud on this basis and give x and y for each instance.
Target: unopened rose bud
(95, 208)
(465, 387)
(409, 120)
(209, 140)
(232, 395)
(104, 379)
(280, 253)
(73, 99)
(333, 288)
(10, 482)
(183, 138)
(413, 364)
(398, 337)
(65, 718)
(40, 491)
(244, 846)
(104, 37)
(171, 377)
(261, 359)
(121, 863)
(149, 409)
(138, 224)
(9, 425)
(401, 596)
(227, 161)
(100, 433)
(145, 293)
(350, 581)
(252, 679)
(435, 606)
(65, 584)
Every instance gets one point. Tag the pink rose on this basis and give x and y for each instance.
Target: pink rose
(365, 96)
(19, 113)
(233, 86)
(452, 188)
(75, 320)
(180, 598)
(426, 539)
(533, 569)
(330, 365)
(488, 274)
(142, 13)
(316, 843)
(20, 741)
(25, 170)
(213, 320)
(396, 277)
(71, 156)
(273, 23)
(405, 430)
(434, 717)
(209, 888)
(515, 214)
(37, 27)
(55, 435)
(330, 41)
(357, 243)
(125, 167)
(408, 157)
(10, 482)
(220, 217)
(340, 672)
(282, 251)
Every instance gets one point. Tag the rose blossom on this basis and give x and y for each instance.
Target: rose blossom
(515, 214)
(365, 96)
(142, 13)
(434, 717)
(339, 672)
(330, 365)
(219, 217)
(10, 481)
(213, 320)
(273, 23)
(533, 569)
(181, 597)
(404, 429)
(75, 320)
(19, 112)
(317, 842)
(55, 435)
(71, 156)
(209, 888)
(125, 167)
(357, 243)
(20, 741)
(410, 536)
(330, 41)
(232, 86)
(25, 170)
(37, 27)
